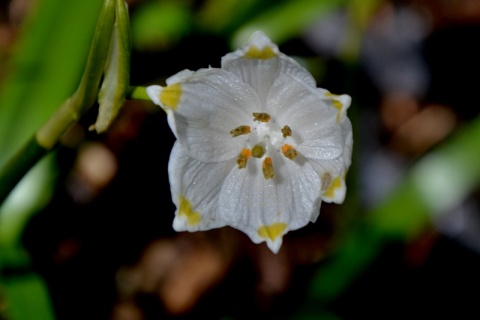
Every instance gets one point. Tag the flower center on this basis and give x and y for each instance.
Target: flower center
(264, 137)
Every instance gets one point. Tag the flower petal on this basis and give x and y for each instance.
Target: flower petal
(336, 191)
(347, 135)
(312, 121)
(259, 146)
(260, 62)
(266, 209)
(203, 108)
(341, 103)
(333, 171)
(195, 186)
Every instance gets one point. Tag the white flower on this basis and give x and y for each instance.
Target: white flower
(259, 146)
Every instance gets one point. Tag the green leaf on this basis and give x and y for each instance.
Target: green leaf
(47, 66)
(27, 298)
(286, 20)
(435, 184)
(222, 15)
(159, 24)
(45, 69)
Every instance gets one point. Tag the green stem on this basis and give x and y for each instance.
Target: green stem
(137, 93)
(47, 137)
(18, 166)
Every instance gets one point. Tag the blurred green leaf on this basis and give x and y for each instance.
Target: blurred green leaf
(221, 15)
(438, 182)
(46, 67)
(43, 71)
(159, 24)
(27, 298)
(286, 20)
(360, 13)
(31, 194)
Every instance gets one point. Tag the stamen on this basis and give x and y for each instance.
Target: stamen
(240, 130)
(287, 132)
(289, 151)
(258, 151)
(243, 158)
(262, 117)
(267, 168)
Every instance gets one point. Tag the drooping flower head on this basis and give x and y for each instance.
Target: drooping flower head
(258, 147)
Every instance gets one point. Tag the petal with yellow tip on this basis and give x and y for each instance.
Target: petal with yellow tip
(260, 62)
(199, 183)
(335, 191)
(273, 234)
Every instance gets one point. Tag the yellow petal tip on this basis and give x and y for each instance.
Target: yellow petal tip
(185, 210)
(272, 231)
(170, 96)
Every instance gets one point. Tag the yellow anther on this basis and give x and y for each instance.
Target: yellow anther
(238, 131)
(262, 117)
(264, 54)
(243, 157)
(267, 168)
(287, 132)
(258, 151)
(289, 151)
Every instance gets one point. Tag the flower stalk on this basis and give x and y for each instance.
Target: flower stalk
(117, 70)
(47, 137)
(137, 93)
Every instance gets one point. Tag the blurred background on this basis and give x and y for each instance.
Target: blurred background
(87, 234)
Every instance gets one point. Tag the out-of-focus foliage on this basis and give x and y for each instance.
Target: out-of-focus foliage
(27, 298)
(57, 34)
(224, 16)
(437, 183)
(286, 19)
(159, 24)
(44, 68)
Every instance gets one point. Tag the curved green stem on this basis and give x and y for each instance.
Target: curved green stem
(137, 93)
(87, 92)
(17, 166)
(47, 137)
